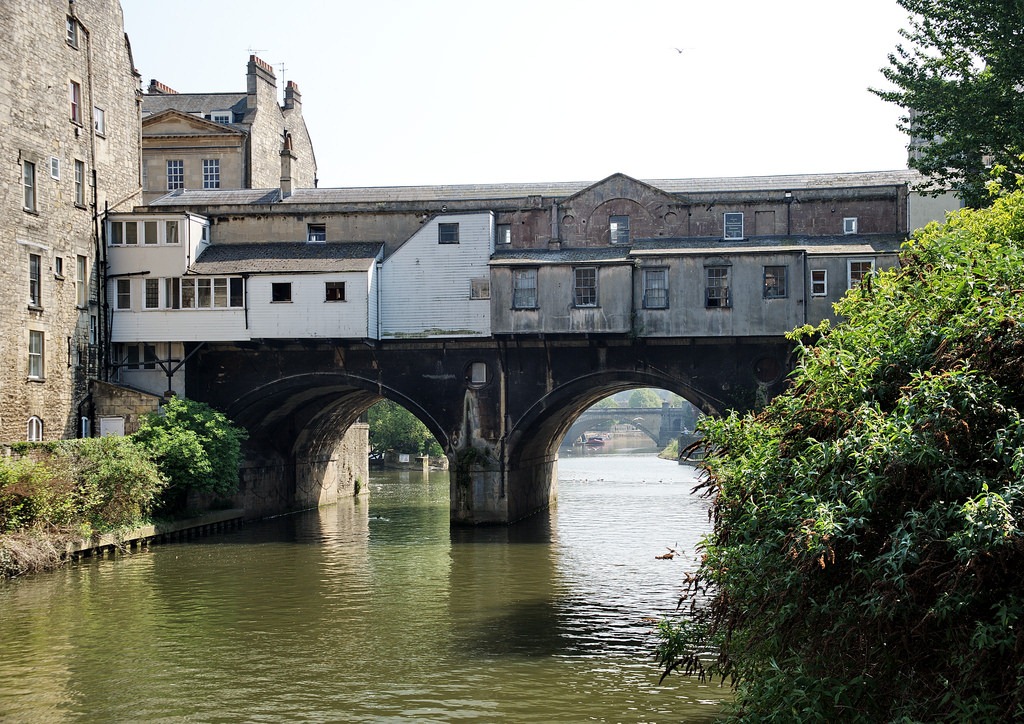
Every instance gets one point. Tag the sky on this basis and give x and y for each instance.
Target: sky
(407, 92)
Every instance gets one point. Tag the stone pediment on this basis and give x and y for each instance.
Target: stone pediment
(650, 212)
(176, 123)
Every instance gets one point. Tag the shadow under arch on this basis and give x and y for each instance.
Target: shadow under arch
(305, 448)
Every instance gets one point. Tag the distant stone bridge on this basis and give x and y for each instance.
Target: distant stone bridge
(662, 424)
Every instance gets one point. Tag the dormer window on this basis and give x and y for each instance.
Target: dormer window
(733, 224)
(220, 117)
(618, 229)
(316, 232)
(850, 225)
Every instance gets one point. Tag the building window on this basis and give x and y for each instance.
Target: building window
(859, 270)
(75, 93)
(204, 293)
(733, 223)
(717, 289)
(35, 280)
(655, 289)
(585, 286)
(124, 232)
(171, 232)
(55, 168)
(152, 296)
(124, 294)
(35, 355)
(79, 183)
(618, 229)
(850, 225)
(93, 329)
(211, 173)
(281, 292)
(35, 429)
(775, 282)
(58, 267)
(524, 288)
(148, 357)
(334, 291)
(819, 282)
(447, 233)
(28, 182)
(221, 117)
(175, 175)
(480, 288)
(504, 234)
(72, 29)
(316, 232)
(82, 281)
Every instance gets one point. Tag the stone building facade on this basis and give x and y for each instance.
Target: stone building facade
(69, 150)
(236, 140)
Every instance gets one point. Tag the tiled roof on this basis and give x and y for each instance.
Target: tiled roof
(812, 244)
(193, 102)
(578, 254)
(286, 257)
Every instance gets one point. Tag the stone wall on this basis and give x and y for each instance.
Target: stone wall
(48, 47)
(109, 400)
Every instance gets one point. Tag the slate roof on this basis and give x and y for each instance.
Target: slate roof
(205, 197)
(472, 192)
(286, 257)
(813, 245)
(193, 102)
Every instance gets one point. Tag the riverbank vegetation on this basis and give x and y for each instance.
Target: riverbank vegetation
(394, 428)
(868, 540)
(54, 492)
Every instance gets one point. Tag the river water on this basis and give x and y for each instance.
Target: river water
(375, 611)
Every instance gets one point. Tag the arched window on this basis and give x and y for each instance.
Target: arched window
(35, 429)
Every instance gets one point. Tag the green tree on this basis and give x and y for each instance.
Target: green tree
(644, 397)
(869, 523)
(605, 403)
(960, 83)
(196, 448)
(392, 427)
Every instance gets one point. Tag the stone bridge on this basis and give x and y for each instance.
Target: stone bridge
(661, 424)
(498, 407)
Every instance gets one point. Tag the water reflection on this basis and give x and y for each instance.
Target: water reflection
(374, 611)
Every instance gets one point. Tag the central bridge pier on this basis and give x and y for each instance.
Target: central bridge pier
(498, 406)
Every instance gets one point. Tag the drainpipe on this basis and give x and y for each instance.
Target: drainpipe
(788, 198)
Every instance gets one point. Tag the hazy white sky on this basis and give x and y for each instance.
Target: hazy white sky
(399, 92)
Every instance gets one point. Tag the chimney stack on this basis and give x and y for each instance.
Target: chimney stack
(292, 97)
(287, 156)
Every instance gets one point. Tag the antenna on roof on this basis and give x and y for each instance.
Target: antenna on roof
(283, 69)
(255, 51)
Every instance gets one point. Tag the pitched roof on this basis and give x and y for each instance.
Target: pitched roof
(286, 257)
(193, 102)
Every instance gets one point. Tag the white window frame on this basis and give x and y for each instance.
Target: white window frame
(503, 234)
(34, 431)
(79, 183)
(75, 97)
(72, 31)
(655, 294)
(849, 271)
(584, 287)
(524, 288)
(316, 233)
(55, 168)
(819, 285)
(618, 229)
(222, 116)
(151, 293)
(480, 288)
(850, 225)
(211, 173)
(175, 174)
(732, 225)
(82, 281)
(36, 355)
(28, 185)
(99, 121)
(716, 289)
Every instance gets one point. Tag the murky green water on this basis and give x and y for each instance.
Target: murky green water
(374, 612)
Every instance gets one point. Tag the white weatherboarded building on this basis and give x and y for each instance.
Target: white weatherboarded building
(437, 284)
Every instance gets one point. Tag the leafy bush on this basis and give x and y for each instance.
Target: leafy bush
(867, 545)
(92, 484)
(392, 427)
(196, 448)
